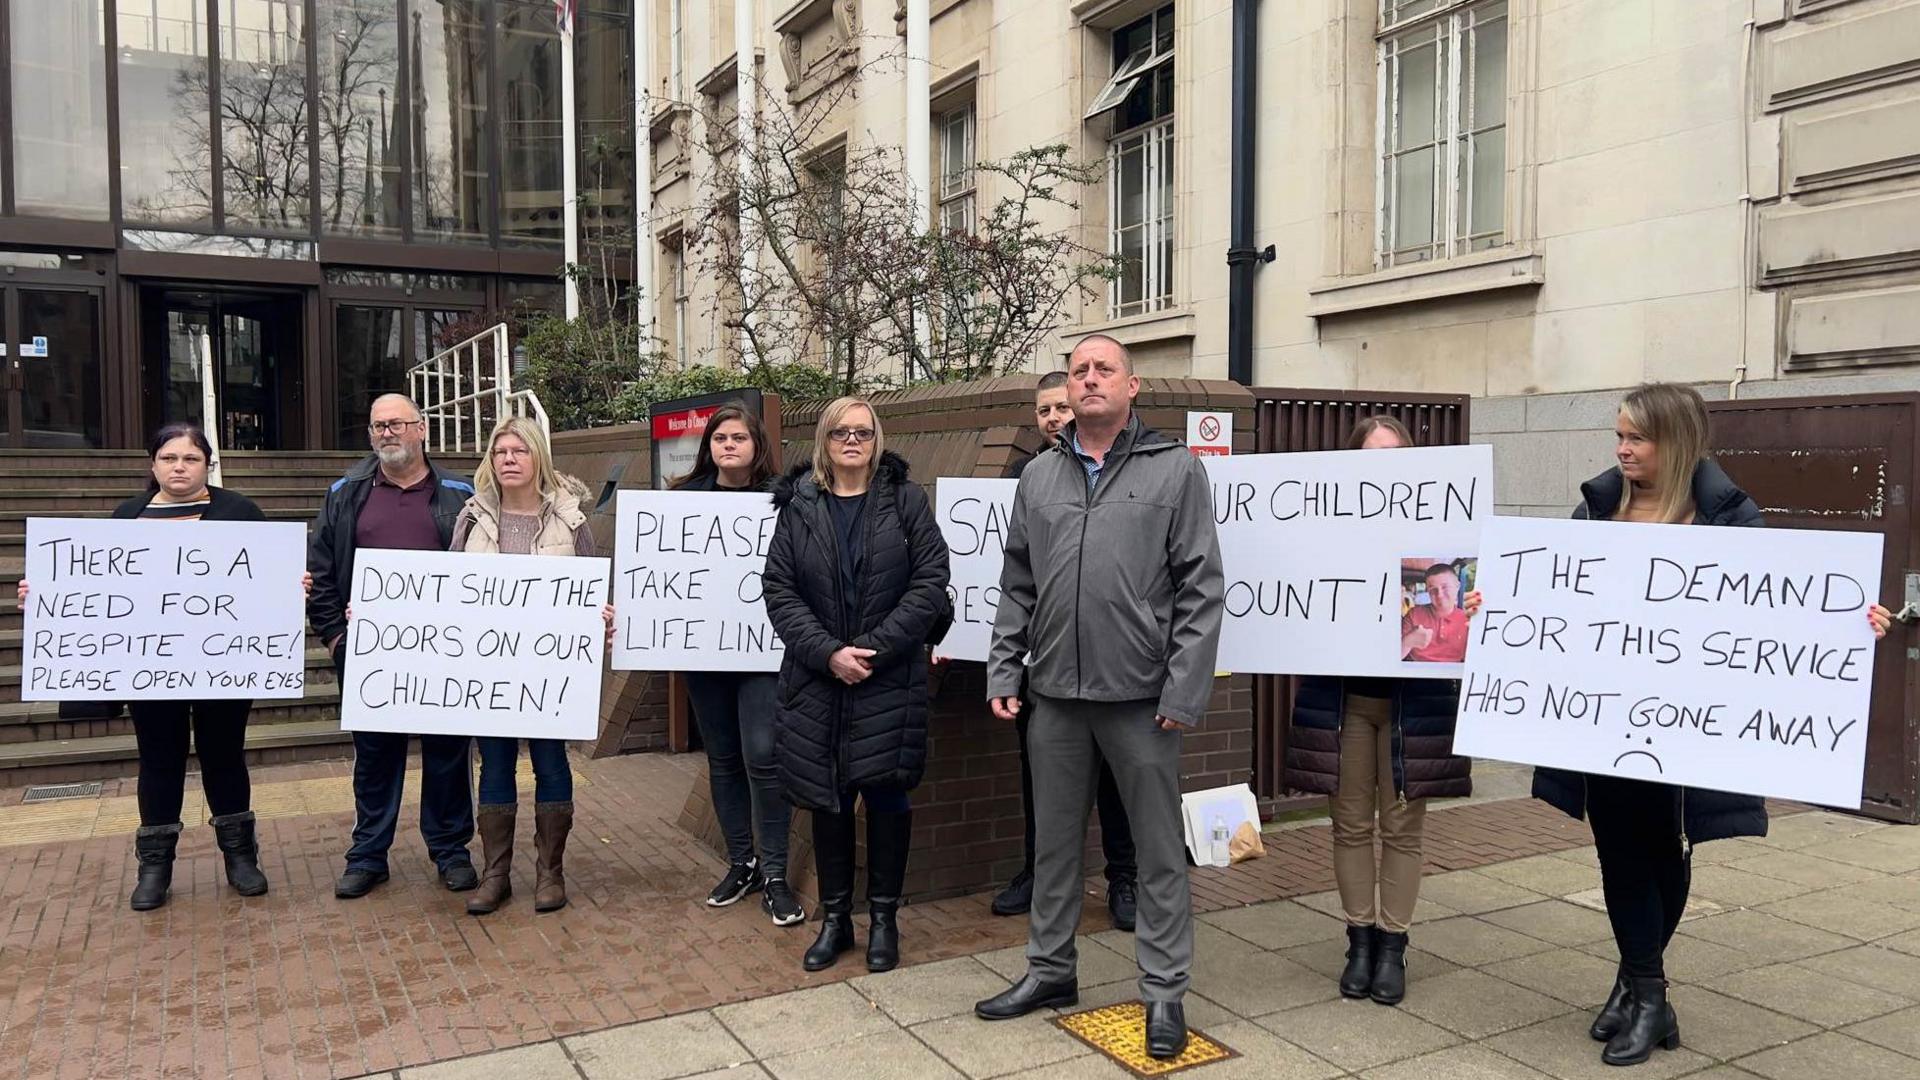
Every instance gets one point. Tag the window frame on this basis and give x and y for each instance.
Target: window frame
(958, 187)
(1155, 140)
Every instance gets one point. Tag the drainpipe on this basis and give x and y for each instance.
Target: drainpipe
(746, 94)
(919, 151)
(1746, 195)
(643, 252)
(1242, 257)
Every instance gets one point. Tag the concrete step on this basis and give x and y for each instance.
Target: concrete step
(66, 502)
(101, 756)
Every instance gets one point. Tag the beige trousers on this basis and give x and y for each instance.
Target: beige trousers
(1366, 791)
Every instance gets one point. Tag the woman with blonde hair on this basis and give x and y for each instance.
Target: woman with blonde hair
(856, 587)
(522, 506)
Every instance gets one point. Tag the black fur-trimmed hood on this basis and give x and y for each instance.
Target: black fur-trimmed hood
(798, 483)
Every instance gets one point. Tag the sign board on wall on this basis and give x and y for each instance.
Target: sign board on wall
(1730, 659)
(686, 582)
(1210, 434)
(974, 515)
(678, 426)
(1349, 562)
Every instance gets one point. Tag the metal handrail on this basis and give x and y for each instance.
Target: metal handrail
(466, 388)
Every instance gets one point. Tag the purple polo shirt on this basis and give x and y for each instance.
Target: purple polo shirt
(398, 517)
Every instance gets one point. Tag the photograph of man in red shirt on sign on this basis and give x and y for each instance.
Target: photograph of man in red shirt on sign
(1433, 632)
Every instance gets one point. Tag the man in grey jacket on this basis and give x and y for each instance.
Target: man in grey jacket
(1110, 605)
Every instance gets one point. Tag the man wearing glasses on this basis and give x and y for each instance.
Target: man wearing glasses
(396, 498)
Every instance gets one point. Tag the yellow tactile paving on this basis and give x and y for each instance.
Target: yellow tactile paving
(83, 819)
(1120, 1032)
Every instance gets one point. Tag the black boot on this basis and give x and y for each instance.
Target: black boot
(153, 847)
(888, 837)
(1650, 1023)
(833, 864)
(1356, 981)
(1389, 967)
(234, 834)
(1613, 1015)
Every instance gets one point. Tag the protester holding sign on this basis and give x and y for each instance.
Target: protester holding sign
(396, 498)
(1644, 831)
(1380, 748)
(856, 587)
(178, 491)
(735, 709)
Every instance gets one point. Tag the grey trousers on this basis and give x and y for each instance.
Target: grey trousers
(1146, 764)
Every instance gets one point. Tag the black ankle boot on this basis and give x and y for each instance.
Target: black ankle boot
(1650, 1023)
(234, 833)
(1613, 1015)
(888, 837)
(153, 847)
(1356, 981)
(833, 865)
(1389, 967)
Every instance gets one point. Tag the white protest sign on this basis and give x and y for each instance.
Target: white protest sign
(686, 582)
(1730, 659)
(157, 610)
(1349, 562)
(451, 643)
(973, 519)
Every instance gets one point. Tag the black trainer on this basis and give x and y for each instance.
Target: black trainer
(780, 905)
(741, 879)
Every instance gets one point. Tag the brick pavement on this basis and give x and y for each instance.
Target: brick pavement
(298, 984)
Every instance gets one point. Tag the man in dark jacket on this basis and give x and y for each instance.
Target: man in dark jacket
(1051, 413)
(1110, 611)
(396, 498)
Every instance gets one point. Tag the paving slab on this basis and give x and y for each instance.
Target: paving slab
(1871, 966)
(1471, 942)
(1357, 1035)
(1555, 922)
(542, 1061)
(1474, 1005)
(1902, 892)
(911, 995)
(1471, 892)
(1098, 965)
(1689, 959)
(1203, 1012)
(1721, 852)
(1471, 1062)
(1765, 937)
(1254, 983)
(889, 1055)
(1726, 1027)
(1092, 1067)
(1735, 888)
(1841, 912)
(981, 1049)
(1263, 1056)
(1545, 874)
(803, 1020)
(1805, 869)
(1561, 1048)
(676, 1046)
(1588, 856)
(1278, 925)
(1831, 1054)
(1899, 1032)
(1814, 828)
(1880, 851)
(1578, 978)
(1809, 995)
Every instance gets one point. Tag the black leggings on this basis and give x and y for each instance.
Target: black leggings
(219, 730)
(1645, 870)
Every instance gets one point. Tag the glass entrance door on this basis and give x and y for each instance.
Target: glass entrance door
(253, 340)
(54, 344)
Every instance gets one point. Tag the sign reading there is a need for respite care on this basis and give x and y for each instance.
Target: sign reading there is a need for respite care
(157, 610)
(457, 643)
(1730, 659)
(974, 516)
(1349, 562)
(686, 582)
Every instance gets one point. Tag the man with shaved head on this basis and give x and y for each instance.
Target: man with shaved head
(396, 498)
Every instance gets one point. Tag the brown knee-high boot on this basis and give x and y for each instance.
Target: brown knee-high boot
(551, 823)
(496, 858)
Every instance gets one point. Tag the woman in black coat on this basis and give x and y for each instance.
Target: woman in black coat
(1644, 831)
(856, 587)
(1380, 748)
(181, 457)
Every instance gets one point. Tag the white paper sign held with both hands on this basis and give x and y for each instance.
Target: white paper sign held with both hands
(1723, 658)
(687, 593)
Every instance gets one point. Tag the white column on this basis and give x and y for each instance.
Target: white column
(919, 141)
(747, 94)
(569, 169)
(643, 250)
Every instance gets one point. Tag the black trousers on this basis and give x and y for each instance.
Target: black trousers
(1645, 869)
(1116, 833)
(165, 729)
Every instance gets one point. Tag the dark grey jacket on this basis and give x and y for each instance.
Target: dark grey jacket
(1114, 594)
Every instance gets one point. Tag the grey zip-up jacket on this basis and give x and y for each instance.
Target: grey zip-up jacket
(1113, 594)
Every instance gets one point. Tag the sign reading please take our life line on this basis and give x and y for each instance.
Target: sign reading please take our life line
(156, 610)
(1721, 658)
(1349, 562)
(458, 643)
(686, 582)
(974, 515)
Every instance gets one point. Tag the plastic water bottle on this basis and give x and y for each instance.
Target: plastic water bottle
(1220, 856)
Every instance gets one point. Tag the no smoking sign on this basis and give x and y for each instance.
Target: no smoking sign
(1210, 434)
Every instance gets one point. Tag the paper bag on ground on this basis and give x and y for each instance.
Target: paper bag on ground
(1246, 843)
(1232, 805)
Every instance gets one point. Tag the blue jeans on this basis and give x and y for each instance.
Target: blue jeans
(735, 714)
(552, 775)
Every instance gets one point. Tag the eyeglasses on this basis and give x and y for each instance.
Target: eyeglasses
(392, 427)
(851, 435)
(511, 453)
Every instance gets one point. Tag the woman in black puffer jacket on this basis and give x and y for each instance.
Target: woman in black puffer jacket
(856, 587)
(1380, 748)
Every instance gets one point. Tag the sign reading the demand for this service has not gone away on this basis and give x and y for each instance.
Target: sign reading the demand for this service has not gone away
(452, 643)
(1731, 659)
(1349, 562)
(686, 582)
(154, 610)
(974, 514)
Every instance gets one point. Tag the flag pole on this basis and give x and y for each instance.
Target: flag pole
(569, 151)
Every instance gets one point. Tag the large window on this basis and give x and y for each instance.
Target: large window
(533, 132)
(166, 123)
(603, 76)
(264, 115)
(59, 86)
(957, 127)
(676, 50)
(1139, 98)
(451, 167)
(360, 175)
(1443, 135)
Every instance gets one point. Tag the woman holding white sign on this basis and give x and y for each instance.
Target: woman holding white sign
(1379, 748)
(522, 506)
(166, 731)
(1644, 831)
(856, 587)
(735, 709)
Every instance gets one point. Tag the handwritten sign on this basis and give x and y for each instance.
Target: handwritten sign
(1732, 659)
(451, 643)
(973, 519)
(155, 610)
(686, 582)
(1349, 562)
